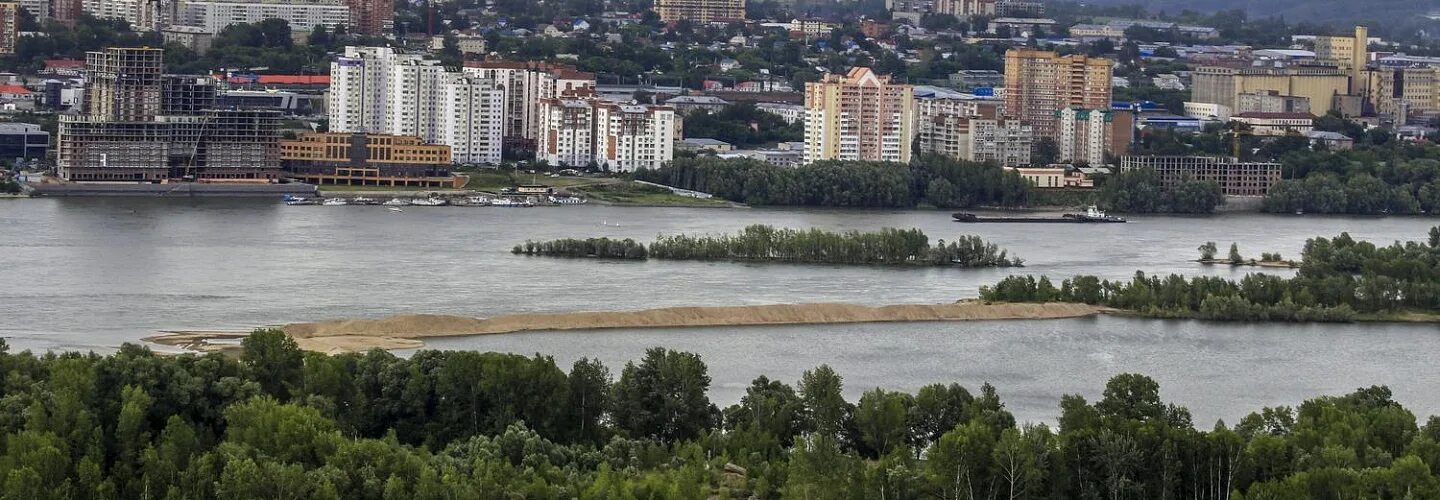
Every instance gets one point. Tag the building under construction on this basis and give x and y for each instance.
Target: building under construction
(137, 124)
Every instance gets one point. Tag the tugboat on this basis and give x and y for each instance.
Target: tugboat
(1091, 215)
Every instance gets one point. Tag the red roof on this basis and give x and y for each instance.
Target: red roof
(13, 89)
(295, 79)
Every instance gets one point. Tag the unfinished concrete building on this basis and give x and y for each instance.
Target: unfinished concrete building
(140, 125)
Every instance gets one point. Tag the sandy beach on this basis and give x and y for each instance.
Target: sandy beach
(406, 331)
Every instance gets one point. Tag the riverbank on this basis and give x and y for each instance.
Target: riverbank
(405, 331)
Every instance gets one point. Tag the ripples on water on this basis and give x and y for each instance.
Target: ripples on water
(90, 274)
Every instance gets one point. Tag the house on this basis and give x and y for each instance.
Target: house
(727, 64)
(1333, 141)
(580, 25)
(16, 93)
(687, 104)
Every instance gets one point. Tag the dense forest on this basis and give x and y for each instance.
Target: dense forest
(1339, 279)
(278, 423)
(763, 243)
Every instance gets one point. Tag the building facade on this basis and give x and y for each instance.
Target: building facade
(1349, 53)
(136, 124)
(9, 27)
(700, 11)
(371, 17)
(630, 137)
(1269, 101)
(1039, 83)
(1318, 85)
(965, 8)
(376, 90)
(1005, 142)
(1277, 124)
(213, 16)
(525, 85)
(367, 160)
(22, 141)
(567, 132)
(1235, 178)
(858, 116)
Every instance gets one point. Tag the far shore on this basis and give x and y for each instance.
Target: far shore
(405, 331)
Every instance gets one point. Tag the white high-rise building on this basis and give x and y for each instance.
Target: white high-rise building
(567, 132)
(375, 90)
(303, 15)
(470, 121)
(526, 84)
(630, 137)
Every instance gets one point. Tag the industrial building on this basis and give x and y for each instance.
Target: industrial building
(1236, 178)
(22, 141)
(358, 159)
(137, 124)
(1319, 85)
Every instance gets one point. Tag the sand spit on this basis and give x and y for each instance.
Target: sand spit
(405, 331)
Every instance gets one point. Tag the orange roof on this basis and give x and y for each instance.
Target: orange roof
(294, 79)
(13, 89)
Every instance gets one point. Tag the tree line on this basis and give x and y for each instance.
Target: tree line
(276, 422)
(888, 246)
(1339, 279)
(931, 180)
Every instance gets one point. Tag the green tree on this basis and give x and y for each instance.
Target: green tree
(664, 397)
(275, 359)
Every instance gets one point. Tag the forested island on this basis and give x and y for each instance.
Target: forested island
(279, 423)
(930, 181)
(762, 243)
(1339, 279)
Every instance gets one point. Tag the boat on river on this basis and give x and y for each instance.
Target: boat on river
(300, 200)
(1089, 216)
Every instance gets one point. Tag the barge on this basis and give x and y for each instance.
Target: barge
(1091, 215)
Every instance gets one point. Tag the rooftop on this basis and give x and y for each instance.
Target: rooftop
(1275, 115)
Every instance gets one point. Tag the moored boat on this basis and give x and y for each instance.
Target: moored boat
(1090, 215)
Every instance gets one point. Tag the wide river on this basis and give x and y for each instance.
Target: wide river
(90, 274)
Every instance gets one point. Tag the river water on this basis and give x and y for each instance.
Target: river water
(92, 273)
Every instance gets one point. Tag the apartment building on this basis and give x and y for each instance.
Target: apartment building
(376, 90)
(213, 16)
(584, 131)
(371, 17)
(526, 84)
(9, 27)
(630, 137)
(1088, 135)
(858, 116)
(137, 124)
(791, 113)
(1039, 83)
(471, 113)
(567, 134)
(964, 9)
(1005, 142)
(700, 11)
(1236, 178)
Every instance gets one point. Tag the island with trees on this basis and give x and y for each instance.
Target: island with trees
(1339, 279)
(276, 422)
(762, 243)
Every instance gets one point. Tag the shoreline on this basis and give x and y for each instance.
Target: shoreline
(406, 331)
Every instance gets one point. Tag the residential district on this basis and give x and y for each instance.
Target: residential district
(354, 92)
